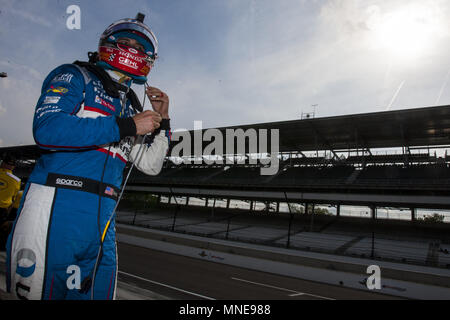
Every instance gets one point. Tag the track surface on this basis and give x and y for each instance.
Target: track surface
(184, 278)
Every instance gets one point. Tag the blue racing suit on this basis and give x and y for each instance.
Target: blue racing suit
(88, 137)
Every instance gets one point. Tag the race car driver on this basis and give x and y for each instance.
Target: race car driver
(62, 245)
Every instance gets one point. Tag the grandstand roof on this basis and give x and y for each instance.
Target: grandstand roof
(413, 127)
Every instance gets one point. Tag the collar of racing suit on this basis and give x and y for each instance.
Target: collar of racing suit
(110, 82)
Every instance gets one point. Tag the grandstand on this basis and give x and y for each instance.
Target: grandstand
(332, 160)
(396, 159)
(374, 160)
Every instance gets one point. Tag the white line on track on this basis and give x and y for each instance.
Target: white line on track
(167, 286)
(293, 293)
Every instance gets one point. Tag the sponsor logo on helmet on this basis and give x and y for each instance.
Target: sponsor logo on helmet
(130, 55)
(105, 56)
(145, 70)
(69, 182)
(127, 62)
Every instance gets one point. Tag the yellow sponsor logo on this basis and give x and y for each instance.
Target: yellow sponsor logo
(59, 90)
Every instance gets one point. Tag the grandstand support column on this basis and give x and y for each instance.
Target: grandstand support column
(373, 210)
(311, 225)
(187, 201)
(212, 209)
(291, 218)
(175, 217)
(278, 207)
(413, 214)
(134, 218)
(228, 203)
(316, 143)
(158, 200)
(338, 210)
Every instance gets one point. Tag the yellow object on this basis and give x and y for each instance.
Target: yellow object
(9, 187)
(123, 78)
(16, 202)
(106, 229)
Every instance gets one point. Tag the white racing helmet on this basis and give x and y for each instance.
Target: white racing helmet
(126, 59)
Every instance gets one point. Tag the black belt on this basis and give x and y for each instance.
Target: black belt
(82, 184)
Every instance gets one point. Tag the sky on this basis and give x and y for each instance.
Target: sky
(235, 62)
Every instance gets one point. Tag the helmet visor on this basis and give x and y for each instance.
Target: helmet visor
(145, 46)
(137, 27)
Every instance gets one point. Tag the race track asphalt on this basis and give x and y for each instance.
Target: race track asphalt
(183, 278)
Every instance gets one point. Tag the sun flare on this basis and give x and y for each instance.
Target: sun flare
(406, 32)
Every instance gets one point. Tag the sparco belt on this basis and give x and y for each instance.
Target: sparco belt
(82, 184)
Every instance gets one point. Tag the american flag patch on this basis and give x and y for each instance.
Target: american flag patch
(109, 191)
